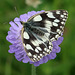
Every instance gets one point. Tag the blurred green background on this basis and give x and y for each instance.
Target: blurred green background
(63, 64)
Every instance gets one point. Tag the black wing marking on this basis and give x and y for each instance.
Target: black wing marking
(57, 20)
(35, 47)
(41, 30)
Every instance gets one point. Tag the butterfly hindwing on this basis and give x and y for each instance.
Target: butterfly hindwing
(40, 31)
(35, 48)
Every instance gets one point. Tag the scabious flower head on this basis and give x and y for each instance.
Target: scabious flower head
(14, 37)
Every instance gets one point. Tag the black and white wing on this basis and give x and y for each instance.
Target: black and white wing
(41, 30)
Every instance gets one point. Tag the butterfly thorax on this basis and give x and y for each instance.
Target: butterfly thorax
(29, 27)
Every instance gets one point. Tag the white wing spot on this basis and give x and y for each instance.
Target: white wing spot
(29, 54)
(43, 38)
(29, 47)
(48, 24)
(53, 39)
(55, 24)
(64, 13)
(38, 56)
(58, 30)
(41, 55)
(57, 12)
(64, 19)
(62, 16)
(48, 50)
(65, 16)
(34, 59)
(36, 51)
(57, 36)
(37, 18)
(36, 42)
(34, 56)
(56, 20)
(45, 49)
(47, 34)
(62, 23)
(43, 52)
(50, 15)
(39, 48)
(61, 27)
(50, 47)
(26, 36)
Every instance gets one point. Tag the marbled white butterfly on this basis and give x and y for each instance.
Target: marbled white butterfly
(40, 31)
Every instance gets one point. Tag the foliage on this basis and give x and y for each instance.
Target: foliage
(64, 64)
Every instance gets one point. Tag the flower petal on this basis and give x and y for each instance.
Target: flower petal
(14, 36)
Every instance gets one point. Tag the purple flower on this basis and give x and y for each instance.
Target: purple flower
(14, 36)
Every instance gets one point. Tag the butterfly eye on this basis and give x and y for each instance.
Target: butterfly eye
(21, 22)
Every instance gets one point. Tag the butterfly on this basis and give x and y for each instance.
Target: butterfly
(40, 31)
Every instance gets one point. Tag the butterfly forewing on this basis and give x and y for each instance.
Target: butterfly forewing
(40, 31)
(34, 46)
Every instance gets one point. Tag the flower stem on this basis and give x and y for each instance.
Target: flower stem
(33, 70)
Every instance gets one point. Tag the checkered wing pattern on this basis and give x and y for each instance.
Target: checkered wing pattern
(40, 31)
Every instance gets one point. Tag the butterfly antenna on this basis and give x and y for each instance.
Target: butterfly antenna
(4, 23)
(17, 13)
(16, 10)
